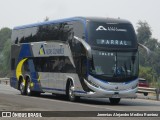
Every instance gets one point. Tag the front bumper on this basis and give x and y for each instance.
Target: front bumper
(104, 93)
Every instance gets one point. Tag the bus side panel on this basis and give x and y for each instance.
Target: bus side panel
(35, 76)
(19, 56)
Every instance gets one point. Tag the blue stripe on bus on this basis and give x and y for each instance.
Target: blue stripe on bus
(25, 51)
(61, 90)
(53, 89)
(50, 22)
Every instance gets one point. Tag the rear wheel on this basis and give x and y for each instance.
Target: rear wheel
(28, 89)
(22, 88)
(114, 101)
(71, 95)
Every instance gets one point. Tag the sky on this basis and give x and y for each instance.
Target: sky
(21, 12)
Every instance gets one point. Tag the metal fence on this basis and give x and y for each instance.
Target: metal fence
(155, 91)
(4, 81)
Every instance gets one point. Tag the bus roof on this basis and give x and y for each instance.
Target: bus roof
(83, 19)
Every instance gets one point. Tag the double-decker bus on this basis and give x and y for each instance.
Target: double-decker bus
(76, 57)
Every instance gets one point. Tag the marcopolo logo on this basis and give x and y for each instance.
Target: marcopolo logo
(42, 51)
(101, 28)
(111, 29)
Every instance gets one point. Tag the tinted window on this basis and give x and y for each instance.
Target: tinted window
(78, 28)
(59, 31)
(26, 67)
(41, 64)
(53, 64)
(12, 63)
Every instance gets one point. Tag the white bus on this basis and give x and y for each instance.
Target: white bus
(77, 57)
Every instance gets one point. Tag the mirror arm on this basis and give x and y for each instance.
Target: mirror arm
(145, 48)
(86, 46)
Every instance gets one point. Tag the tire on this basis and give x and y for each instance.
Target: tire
(22, 88)
(70, 93)
(145, 94)
(28, 89)
(114, 101)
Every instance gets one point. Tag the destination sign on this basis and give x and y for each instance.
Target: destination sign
(113, 42)
(112, 35)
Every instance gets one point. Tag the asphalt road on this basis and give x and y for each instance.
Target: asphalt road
(11, 100)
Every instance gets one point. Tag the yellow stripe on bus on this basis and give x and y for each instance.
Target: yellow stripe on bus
(19, 68)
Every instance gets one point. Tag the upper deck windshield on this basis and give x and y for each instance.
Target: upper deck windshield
(111, 35)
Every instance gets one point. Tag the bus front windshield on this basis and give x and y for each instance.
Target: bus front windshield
(114, 64)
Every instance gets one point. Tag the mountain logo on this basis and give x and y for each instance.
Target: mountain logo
(42, 51)
(101, 28)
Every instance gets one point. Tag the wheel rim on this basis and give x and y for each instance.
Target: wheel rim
(71, 91)
(22, 87)
(28, 88)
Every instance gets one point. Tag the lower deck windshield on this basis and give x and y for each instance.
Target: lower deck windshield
(114, 66)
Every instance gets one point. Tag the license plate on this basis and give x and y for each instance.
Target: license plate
(115, 96)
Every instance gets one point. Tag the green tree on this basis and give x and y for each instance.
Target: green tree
(5, 58)
(143, 32)
(149, 66)
(143, 36)
(5, 44)
(155, 61)
(5, 34)
(152, 44)
(148, 73)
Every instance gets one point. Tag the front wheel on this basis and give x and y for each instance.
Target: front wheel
(114, 101)
(71, 95)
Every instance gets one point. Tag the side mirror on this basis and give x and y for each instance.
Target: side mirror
(86, 46)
